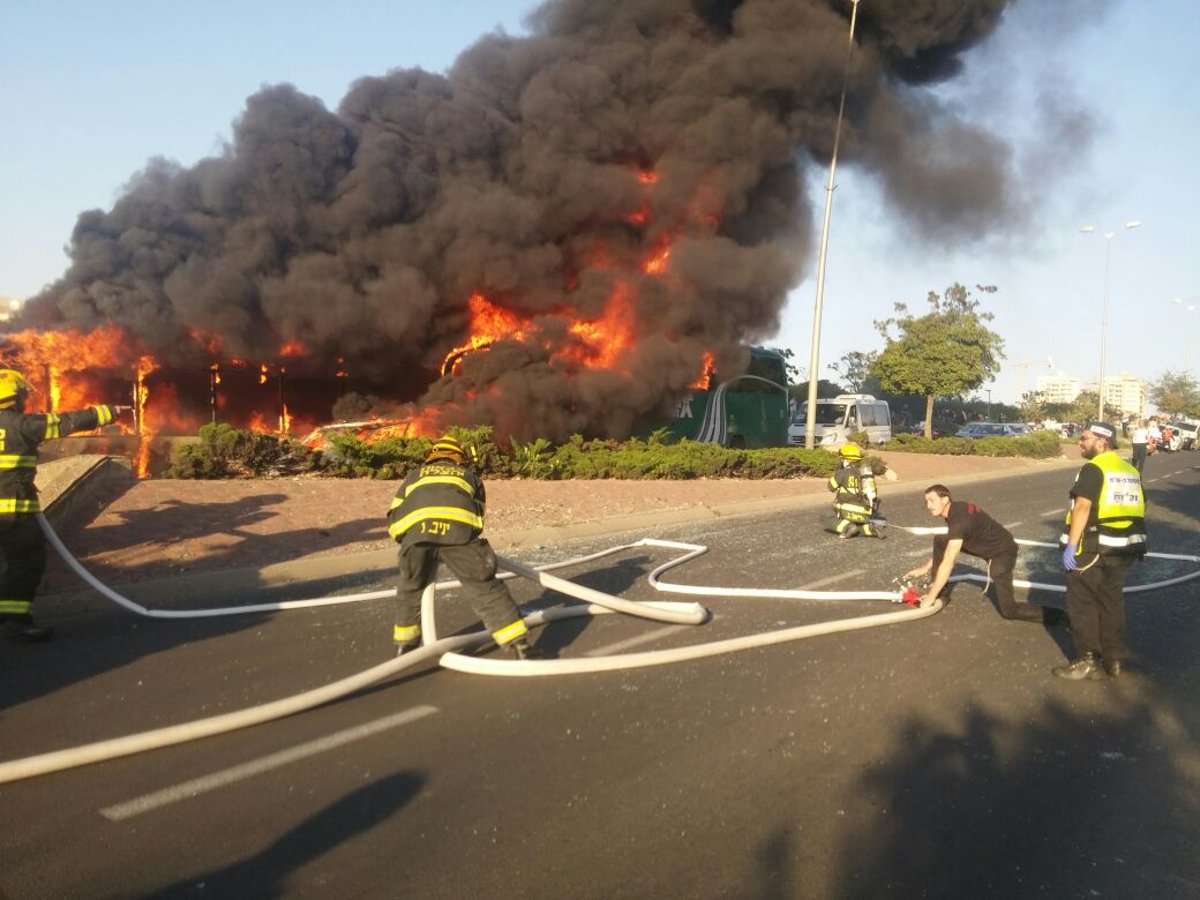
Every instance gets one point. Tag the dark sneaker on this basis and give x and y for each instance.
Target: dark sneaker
(22, 628)
(1086, 667)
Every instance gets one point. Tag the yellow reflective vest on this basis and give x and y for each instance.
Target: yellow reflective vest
(1117, 524)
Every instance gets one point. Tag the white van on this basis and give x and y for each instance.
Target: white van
(841, 417)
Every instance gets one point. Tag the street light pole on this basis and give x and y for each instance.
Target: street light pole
(810, 426)
(989, 411)
(1108, 236)
(1187, 337)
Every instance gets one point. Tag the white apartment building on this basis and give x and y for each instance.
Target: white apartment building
(1126, 393)
(1058, 388)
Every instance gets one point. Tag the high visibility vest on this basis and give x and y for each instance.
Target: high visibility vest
(1117, 525)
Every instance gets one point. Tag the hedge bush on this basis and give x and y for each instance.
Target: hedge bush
(227, 452)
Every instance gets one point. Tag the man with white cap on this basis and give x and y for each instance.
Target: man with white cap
(1104, 533)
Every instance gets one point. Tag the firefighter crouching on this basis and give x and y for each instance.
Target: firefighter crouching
(437, 514)
(856, 499)
(22, 544)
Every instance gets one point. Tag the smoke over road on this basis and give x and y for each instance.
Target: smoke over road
(625, 184)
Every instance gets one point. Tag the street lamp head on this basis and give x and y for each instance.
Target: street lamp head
(1134, 224)
(1088, 229)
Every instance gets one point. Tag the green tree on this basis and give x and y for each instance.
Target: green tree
(855, 369)
(1176, 394)
(947, 352)
(1032, 407)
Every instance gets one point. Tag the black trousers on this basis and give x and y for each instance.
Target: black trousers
(1096, 605)
(1000, 571)
(1139, 456)
(22, 562)
(473, 563)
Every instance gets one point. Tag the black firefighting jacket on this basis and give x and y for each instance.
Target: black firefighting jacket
(439, 502)
(20, 434)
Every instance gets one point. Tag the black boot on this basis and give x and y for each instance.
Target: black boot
(1085, 667)
(21, 628)
(1114, 667)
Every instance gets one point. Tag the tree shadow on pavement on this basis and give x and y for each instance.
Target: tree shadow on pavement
(223, 532)
(272, 871)
(1069, 805)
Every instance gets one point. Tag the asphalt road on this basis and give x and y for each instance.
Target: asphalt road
(936, 758)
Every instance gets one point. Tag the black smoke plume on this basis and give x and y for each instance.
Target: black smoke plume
(363, 233)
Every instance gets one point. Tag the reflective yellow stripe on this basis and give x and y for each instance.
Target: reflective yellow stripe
(450, 513)
(103, 415)
(510, 633)
(20, 506)
(16, 461)
(402, 634)
(461, 483)
(15, 607)
(52, 426)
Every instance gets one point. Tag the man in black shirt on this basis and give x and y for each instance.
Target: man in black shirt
(970, 530)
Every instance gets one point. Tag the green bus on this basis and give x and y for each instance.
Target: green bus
(746, 412)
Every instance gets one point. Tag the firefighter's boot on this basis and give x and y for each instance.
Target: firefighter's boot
(1086, 667)
(851, 530)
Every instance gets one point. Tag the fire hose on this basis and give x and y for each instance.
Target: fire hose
(448, 650)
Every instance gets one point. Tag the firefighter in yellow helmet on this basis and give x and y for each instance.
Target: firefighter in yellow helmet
(856, 499)
(437, 515)
(22, 544)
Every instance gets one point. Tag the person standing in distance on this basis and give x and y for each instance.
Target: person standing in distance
(1105, 531)
(972, 531)
(856, 498)
(437, 515)
(1141, 439)
(22, 543)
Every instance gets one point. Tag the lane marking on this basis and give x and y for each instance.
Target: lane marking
(832, 579)
(1011, 525)
(644, 638)
(1053, 512)
(206, 783)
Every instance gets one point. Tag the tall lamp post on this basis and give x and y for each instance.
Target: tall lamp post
(810, 426)
(1187, 337)
(1108, 236)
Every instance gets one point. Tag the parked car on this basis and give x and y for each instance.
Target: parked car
(986, 429)
(1189, 435)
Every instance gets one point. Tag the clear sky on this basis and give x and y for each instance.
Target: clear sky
(89, 92)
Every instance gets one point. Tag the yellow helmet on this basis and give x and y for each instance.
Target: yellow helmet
(850, 451)
(446, 447)
(12, 385)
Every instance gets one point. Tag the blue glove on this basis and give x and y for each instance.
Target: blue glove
(1069, 558)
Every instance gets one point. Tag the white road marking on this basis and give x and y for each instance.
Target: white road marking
(832, 579)
(1011, 525)
(206, 783)
(1054, 512)
(644, 638)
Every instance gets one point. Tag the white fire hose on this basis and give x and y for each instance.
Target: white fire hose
(446, 650)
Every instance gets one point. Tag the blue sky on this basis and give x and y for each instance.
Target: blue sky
(90, 92)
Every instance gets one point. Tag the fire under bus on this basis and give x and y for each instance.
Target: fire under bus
(746, 412)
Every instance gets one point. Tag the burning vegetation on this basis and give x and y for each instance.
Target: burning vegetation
(558, 236)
